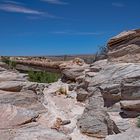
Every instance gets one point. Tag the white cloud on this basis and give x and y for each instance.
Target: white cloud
(55, 2)
(118, 4)
(19, 9)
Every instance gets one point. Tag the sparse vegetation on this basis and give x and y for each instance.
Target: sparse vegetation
(63, 90)
(65, 57)
(43, 77)
(138, 122)
(11, 64)
(103, 50)
(101, 54)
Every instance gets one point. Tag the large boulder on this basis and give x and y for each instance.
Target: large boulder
(93, 124)
(95, 121)
(72, 74)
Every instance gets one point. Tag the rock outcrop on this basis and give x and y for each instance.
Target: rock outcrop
(115, 83)
(125, 47)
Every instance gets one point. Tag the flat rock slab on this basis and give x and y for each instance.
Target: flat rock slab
(116, 73)
(32, 131)
(131, 105)
(14, 86)
(22, 99)
(12, 116)
(12, 76)
(133, 134)
(39, 133)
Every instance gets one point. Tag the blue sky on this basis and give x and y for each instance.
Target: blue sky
(55, 27)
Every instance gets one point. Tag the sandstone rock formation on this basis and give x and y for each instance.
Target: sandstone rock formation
(109, 83)
(125, 47)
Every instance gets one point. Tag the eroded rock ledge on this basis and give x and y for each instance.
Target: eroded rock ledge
(125, 47)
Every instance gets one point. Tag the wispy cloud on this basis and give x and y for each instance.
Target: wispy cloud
(59, 2)
(118, 4)
(77, 33)
(12, 2)
(19, 9)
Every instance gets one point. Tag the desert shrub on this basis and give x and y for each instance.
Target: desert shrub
(138, 122)
(101, 53)
(65, 58)
(11, 64)
(95, 57)
(43, 77)
(103, 50)
(63, 90)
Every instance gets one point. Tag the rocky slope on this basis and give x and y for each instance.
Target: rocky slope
(32, 111)
(111, 90)
(117, 89)
(100, 101)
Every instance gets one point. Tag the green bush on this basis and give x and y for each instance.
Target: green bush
(138, 122)
(43, 77)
